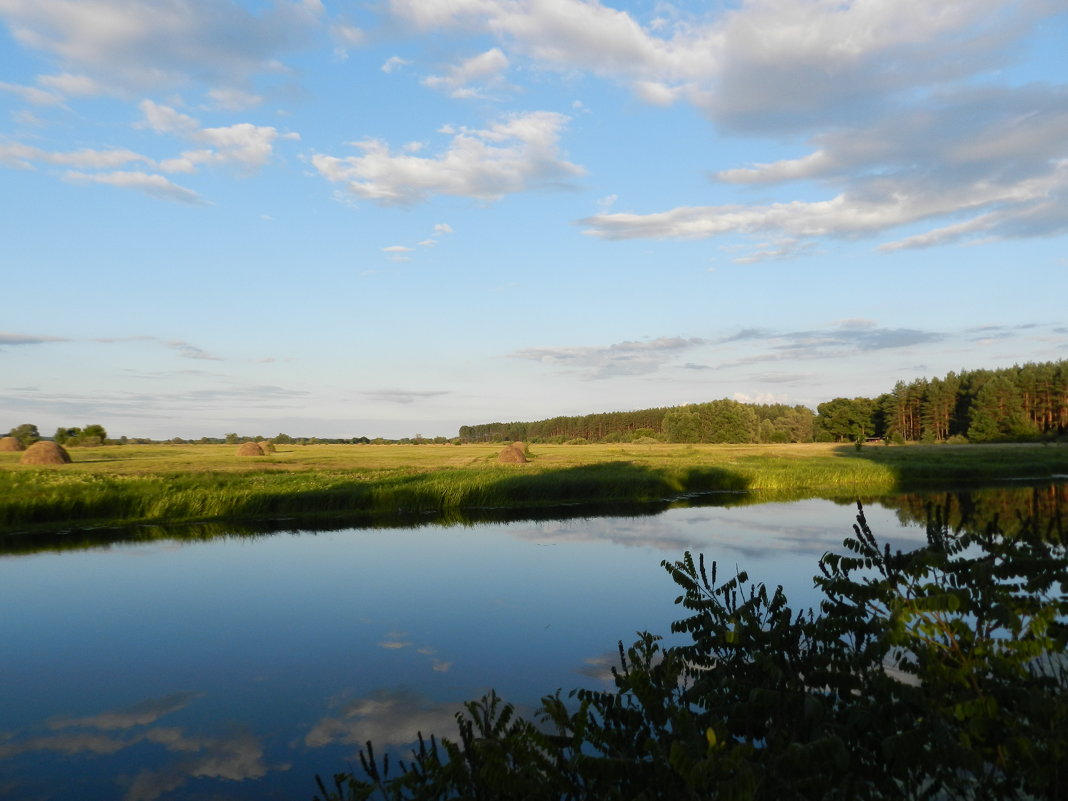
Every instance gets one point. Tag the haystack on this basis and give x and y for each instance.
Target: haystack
(267, 446)
(516, 453)
(10, 444)
(45, 452)
(249, 449)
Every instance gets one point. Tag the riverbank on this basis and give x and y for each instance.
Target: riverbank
(124, 485)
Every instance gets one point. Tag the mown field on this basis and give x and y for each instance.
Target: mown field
(114, 485)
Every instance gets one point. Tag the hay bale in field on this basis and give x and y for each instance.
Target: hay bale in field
(10, 444)
(516, 453)
(45, 452)
(249, 449)
(266, 446)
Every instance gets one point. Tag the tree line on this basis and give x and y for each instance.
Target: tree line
(1018, 403)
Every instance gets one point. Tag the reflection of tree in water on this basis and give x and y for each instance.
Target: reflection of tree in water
(975, 509)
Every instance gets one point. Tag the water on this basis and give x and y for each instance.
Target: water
(238, 668)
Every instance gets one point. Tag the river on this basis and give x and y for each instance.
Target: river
(238, 667)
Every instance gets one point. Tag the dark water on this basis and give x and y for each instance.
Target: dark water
(239, 667)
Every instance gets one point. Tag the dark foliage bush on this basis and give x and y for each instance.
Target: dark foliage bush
(938, 673)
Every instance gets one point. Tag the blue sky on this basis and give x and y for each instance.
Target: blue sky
(398, 217)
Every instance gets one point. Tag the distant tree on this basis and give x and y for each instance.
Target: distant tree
(26, 434)
(847, 419)
(726, 420)
(67, 436)
(682, 425)
(283, 439)
(997, 413)
(94, 434)
(231, 439)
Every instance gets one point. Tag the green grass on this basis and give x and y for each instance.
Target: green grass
(117, 485)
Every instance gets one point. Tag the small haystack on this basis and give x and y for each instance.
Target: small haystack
(10, 444)
(267, 447)
(516, 453)
(45, 452)
(249, 449)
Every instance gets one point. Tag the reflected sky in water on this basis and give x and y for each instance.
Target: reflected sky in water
(239, 669)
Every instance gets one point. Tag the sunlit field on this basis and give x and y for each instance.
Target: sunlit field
(175, 483)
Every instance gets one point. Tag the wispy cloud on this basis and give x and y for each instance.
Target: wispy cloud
(403, 396)
(8, 338)
(476, 77)
(155, 185)
(621, 358)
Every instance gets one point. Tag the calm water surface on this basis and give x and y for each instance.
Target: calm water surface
(238, 668)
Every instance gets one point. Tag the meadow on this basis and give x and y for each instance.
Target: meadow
(163, 484)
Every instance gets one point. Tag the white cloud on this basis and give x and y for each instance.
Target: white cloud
(32, 95)
(165, 43)
(232, 99)
(73, 85)
(513, 155)
(443, 228)
(394, 63)
(347, 35)
(17, 154)
(485, 69)
(902, 129)
(980, 163)
(154, 185)
(245, 144)
(397, 249)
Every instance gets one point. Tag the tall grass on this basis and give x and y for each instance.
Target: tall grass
(102, 488)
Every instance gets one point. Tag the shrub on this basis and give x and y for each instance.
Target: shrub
(938, 673)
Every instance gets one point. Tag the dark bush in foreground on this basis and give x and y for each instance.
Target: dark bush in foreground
(939, 673)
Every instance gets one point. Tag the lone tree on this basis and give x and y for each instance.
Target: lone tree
(26, 434)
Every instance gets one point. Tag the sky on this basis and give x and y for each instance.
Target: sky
(397, 217)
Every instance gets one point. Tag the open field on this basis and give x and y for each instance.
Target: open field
(113, 485)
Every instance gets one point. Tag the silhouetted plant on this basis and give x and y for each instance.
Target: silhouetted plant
(937, 673)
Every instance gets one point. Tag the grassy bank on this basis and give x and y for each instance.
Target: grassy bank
(115, 485)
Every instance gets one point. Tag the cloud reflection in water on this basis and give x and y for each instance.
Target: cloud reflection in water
(234, 757)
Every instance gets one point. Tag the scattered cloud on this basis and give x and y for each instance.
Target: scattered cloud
(513, 155)
(397, 249)
(403, 395)
(249, 146)
(32, 95)
(15, 154)
(475, 77)
(622, 358)
(70, 85)
(394, 63)
(166, 44)
(190, 351)
(901, 131)
(745, 347)
(443, 228)
(155, 185)
(9, 338)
